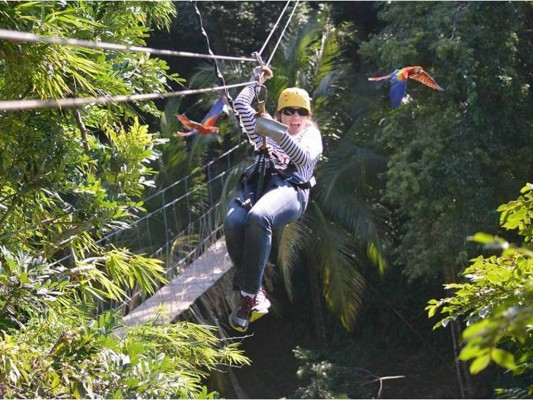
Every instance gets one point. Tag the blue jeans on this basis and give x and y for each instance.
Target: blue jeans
(248, 232)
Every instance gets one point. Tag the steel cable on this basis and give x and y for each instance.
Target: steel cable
(13, 105)
(18, 36)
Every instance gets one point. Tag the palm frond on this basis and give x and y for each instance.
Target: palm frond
(339, 262)
(351, 177)
(352, 168)
(295, 62)
(294, 239)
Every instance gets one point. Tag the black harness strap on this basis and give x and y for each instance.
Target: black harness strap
(257, 177)
(263, 167)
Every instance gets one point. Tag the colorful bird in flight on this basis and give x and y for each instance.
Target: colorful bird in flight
(399, 79)
(207, 125)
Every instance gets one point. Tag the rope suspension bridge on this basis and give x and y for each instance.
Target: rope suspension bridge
(184, 225)
(185, 230)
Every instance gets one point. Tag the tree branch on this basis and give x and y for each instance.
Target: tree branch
(77, 117)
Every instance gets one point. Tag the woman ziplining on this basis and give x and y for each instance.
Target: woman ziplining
(289, 145)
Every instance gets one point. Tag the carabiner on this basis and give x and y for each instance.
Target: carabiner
(258, 71)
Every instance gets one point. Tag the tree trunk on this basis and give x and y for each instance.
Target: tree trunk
(463, 375)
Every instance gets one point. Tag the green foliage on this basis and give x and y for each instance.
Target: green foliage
(519, 213)
(52, 347)
(496, 302)
(332, 373)
(234, 28)
(28, 288)
(80, 177)
(67, 178)
(78, 357)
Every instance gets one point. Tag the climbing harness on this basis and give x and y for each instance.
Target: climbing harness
(264, 168)
(264, 163)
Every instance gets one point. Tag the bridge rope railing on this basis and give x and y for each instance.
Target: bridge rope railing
(183, 221)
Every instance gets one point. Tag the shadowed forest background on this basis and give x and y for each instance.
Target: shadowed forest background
(410, 274)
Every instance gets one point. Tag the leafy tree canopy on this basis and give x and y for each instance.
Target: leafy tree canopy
(496, 299)
(67, 178)
(449, 153)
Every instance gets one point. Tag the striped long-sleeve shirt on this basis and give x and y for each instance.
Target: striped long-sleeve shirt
(303, 149)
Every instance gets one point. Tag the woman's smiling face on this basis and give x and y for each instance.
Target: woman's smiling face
(295, 118)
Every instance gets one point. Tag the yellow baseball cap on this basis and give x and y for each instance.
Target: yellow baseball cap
(294, 97)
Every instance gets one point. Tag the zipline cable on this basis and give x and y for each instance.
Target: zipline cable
(25, 104)
(14, 105)
(17, 36)
(282, 33)
(274, 28)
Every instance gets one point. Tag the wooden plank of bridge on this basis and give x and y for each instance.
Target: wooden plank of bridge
(182, 291)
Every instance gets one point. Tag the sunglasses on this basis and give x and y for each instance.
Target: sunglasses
(290, 111)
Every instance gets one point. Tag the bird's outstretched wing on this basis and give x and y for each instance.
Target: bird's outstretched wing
(200, 127)
(187, 123)
(423, 77)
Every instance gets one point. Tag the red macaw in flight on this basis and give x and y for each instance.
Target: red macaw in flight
(206, 126)
(399, 79)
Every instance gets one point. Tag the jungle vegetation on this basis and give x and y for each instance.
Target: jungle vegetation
(419, 227)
